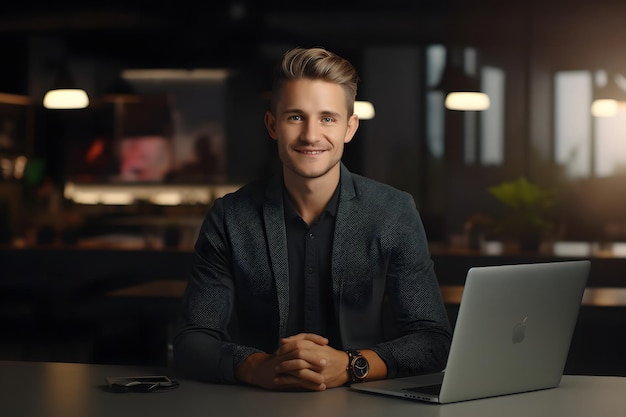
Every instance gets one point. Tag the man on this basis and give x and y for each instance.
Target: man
(317, 277)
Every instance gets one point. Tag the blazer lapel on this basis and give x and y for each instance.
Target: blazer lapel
(273, 214)
(344, 228)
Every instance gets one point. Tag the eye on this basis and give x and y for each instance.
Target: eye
(327, 119)
(295, 118)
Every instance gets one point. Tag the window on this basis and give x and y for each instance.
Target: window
(492, 119)
(572, 122)
(610, 141)
(435, 110)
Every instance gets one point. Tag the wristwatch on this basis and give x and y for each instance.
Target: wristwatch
(358, 366)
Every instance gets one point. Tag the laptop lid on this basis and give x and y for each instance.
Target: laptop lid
(512, 334)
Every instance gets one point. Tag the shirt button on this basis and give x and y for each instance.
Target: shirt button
(311, 236)
(310, 270)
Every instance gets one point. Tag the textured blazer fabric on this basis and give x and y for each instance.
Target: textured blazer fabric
(385, 292)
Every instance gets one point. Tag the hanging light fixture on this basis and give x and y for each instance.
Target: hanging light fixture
(65, 94)
(461, 88)
(66, 98)
(609, 94)
(604, 107)
(467, 101)
(364, 109)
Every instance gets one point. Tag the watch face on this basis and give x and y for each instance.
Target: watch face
(360, 368)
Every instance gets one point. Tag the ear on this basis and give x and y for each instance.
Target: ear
(270, 124)
(353, 125)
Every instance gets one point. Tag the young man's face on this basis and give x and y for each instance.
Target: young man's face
(311, 125)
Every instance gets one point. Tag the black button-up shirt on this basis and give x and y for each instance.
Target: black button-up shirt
(309, 249)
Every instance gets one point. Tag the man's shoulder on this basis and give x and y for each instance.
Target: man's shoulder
(369, 188)
(246, 199)
(251, 191)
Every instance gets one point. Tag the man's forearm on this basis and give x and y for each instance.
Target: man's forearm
(199, 356)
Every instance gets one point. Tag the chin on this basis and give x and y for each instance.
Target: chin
(309, 173)
(311, 170)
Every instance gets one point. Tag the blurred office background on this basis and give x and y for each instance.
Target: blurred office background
(99, 200)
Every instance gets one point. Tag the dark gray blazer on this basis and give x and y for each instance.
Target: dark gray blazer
(384, 289)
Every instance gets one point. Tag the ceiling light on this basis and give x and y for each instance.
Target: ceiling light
(467, 100)
(175, 74)
(364, 109)
(65, 94)
(604, 107)
(461, 88)
(66, 98)
(609, 93)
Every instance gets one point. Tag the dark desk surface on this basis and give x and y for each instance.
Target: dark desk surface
(39, 389)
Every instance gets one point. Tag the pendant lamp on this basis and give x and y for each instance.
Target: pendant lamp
(65, 94)
(609, 94)
(462, 90)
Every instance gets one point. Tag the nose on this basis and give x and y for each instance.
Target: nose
(310, 132)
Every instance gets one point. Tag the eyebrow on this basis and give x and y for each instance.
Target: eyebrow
(322, 113)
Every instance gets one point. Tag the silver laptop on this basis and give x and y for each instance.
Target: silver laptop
(512, 334)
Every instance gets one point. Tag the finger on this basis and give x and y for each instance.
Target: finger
(301, 349)
(302, 378)
(294, 365)
(315, 338)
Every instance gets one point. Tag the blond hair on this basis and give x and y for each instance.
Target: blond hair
(316, 64)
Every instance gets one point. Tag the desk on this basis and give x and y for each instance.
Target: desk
(596, 348)
(47, 389)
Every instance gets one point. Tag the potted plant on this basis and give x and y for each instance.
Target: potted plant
(525, 214)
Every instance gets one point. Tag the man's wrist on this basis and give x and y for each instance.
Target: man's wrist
(245, 370)
(358, 366)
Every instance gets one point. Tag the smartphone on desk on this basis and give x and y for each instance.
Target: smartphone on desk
(144, 383)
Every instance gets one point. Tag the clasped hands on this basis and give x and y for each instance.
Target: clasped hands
(304, 362)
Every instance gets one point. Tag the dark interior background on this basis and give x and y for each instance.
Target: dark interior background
(47, 276)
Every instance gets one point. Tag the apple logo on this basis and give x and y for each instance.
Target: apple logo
(519, 331)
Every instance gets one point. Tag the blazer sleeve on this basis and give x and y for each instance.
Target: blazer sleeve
(202, 346)
(384, 265)
(414, 299)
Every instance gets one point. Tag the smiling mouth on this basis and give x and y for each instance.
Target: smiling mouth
(310, 152)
